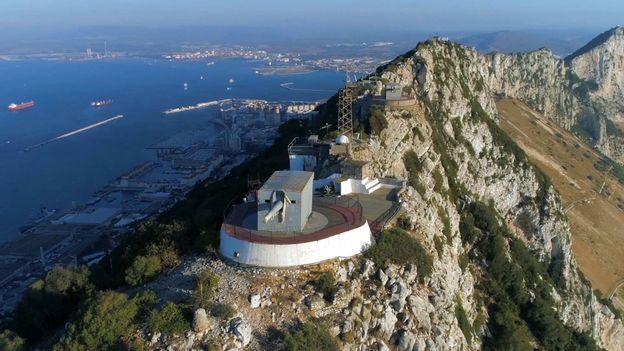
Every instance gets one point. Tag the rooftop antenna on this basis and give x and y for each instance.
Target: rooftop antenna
(345, 107)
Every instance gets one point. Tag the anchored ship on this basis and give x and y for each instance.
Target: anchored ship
(23, 105)
(99, 103)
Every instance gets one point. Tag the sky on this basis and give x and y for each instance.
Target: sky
(441, 15)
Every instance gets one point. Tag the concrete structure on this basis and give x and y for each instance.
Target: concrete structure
(93, 216)
(285, 201)
(342, 245)
(393, 91)
(284, 225)
(356, 169)
(306, 154)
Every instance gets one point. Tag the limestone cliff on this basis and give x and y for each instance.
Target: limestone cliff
(598, 69)
(456, 87)
(539, 78)
(584, 90)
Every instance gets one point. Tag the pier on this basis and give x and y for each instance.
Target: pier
(74, 132)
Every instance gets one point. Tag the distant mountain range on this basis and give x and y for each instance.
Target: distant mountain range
(138, 39)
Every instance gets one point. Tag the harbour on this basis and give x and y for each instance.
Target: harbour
(103, 174)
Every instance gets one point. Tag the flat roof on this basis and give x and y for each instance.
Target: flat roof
(288, 181)
(99, 215)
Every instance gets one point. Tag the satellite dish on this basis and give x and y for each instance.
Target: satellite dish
(343, 139)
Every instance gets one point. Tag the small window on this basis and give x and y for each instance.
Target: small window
(293, 201)
(267, 201)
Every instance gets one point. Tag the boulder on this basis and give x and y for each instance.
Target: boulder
(241, 330)
(341, 275)
(383, 278)
(406, 341)
(254, 300)
(314, 302)
(368, 268)
(201, 322)
(387, 322)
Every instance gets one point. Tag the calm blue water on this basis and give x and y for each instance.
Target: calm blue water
(73, 168)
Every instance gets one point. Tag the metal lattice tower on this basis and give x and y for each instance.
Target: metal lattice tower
(345, 108)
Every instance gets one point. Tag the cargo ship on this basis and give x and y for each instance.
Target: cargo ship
(100, 103)
(23, 105)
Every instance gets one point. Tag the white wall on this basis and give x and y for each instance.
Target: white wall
(343, 245)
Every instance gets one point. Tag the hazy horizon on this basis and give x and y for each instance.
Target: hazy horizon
(322, 15)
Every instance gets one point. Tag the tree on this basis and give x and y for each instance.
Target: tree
(10, 341)
(143, 269)
(207, 282)
(105, 319)
(48, 302)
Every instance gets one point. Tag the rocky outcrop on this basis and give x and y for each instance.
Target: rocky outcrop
(538, 78)
(598, 73)
(201, 322)
(241, 330)
(453, 82)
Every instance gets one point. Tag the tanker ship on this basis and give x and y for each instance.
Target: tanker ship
(23, 105)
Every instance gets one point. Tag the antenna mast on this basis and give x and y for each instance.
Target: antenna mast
(345, 107)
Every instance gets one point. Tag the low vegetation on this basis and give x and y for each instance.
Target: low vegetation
(10, 341)
(463, 321)
(606, 164)
(105, 321)
(521, 308)
(206, 284)
(327, 285)
(311, 336)
(169, 320)
(376, 121)
(414, 166)
(399, 247)
(49, 302)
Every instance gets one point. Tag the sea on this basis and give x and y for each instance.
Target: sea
(70, 170)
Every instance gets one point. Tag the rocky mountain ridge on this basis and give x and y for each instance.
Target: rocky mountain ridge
(457, 86)
(585, 90)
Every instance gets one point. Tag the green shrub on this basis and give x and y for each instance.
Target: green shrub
(102, 323)
(521, 307)
(446, 230)
(413, 165)
(376, 120)
(49, 302)
(311, 336)
(143, 269)
(462, 321)
(10, 341)
(206, 284)
(607, 164)
(397, 246)
(169, 320)
(327, 285)
(222, 311)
